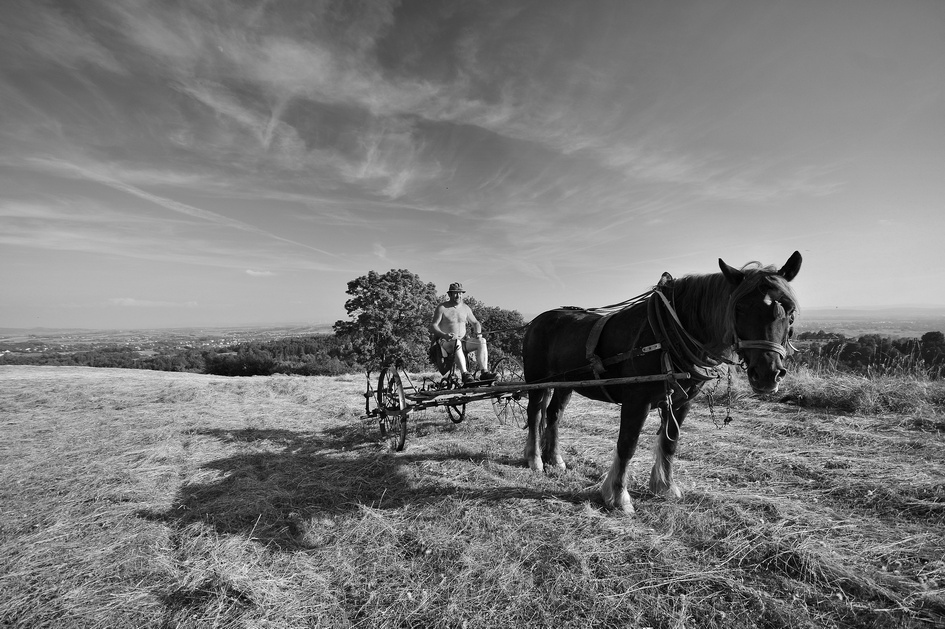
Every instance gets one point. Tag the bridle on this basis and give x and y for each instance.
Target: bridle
(783, 350)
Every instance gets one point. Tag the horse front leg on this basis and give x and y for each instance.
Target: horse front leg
(549, 451)
(536, 417)
(614, 489)
(661, 478)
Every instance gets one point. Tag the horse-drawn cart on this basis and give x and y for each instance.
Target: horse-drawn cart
(397, 395)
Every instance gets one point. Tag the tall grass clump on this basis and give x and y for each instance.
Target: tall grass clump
(902, 392)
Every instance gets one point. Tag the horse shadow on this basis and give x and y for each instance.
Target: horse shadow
(295, 477)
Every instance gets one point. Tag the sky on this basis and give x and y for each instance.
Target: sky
(195, 163)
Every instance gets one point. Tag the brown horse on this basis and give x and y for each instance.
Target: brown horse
(680, 330)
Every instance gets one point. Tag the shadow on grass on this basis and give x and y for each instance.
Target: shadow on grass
(267, 496)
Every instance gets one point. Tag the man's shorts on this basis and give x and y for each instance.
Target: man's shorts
(470, 343)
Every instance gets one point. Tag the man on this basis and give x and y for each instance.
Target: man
(451, 326)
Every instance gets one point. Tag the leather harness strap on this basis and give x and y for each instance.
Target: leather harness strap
(597, 364)
(676, 343)
(699, 360)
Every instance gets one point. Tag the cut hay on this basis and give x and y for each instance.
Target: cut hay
(150, 499)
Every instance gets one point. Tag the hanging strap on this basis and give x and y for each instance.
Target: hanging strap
(590, 349)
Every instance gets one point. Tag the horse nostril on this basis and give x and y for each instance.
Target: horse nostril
(781, 374)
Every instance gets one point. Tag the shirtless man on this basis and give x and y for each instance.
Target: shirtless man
(449, 328)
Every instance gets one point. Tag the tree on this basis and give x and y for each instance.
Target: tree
(389, 315)
(505, 329)
(933, 348)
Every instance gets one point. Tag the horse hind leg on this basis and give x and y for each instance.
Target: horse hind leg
(661, 478)
(536, 414)
(555, 411)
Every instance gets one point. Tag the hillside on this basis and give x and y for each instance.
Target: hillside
(157, 499)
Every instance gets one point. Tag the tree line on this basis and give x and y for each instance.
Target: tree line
(873, 354)
(116, 356)
(388, 316)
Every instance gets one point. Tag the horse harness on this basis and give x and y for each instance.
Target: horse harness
(678, 346)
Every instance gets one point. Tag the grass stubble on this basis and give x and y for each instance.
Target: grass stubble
(152, 499)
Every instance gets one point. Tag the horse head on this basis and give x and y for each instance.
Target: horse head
(761, 313)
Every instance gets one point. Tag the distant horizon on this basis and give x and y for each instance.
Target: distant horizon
(166, 165)
(903, 311)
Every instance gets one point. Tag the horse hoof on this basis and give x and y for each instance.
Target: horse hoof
(672, 493)
(669, 492)
(556, 463)
(535, 464)
(626, 509)
(619, 502)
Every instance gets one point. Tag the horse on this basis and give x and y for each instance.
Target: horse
(679, 333)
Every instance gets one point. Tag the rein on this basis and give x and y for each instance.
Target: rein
(665, 323)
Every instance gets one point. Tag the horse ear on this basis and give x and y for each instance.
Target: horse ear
(733, 275)
(791, 267)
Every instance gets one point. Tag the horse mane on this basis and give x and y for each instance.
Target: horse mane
(705, 304)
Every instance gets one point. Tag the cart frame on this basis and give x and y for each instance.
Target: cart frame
(394, 401)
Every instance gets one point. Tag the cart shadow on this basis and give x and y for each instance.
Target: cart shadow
(267, 495)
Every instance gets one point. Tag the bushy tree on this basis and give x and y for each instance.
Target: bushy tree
(504, 329)
(389, 315)
(933, 348)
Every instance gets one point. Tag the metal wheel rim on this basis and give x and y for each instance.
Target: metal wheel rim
(390, 397)
(509, 407)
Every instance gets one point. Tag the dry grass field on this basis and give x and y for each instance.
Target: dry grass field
(153, 499)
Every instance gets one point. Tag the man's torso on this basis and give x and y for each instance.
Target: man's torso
(453, 319)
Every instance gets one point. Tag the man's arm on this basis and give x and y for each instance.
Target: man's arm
(435, 323)
(473, 323)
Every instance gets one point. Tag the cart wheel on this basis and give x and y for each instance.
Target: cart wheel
(392, 405)
(457, 413)
(510, 406)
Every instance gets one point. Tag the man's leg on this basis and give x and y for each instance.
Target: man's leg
(453, 355)
(459, 357)
(481, 350)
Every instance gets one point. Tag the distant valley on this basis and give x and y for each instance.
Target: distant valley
(854, 322)
(157, 339)
(851, 322)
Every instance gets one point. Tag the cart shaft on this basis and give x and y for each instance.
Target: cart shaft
(574, 384)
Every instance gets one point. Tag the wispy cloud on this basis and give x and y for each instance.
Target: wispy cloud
(182, 208)
(84, 226)
(253, 273)
(131, 302)
(49, 36)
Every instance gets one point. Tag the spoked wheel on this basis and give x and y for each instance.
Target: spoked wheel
(456, 412)
(392, 405)
(511, 406)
